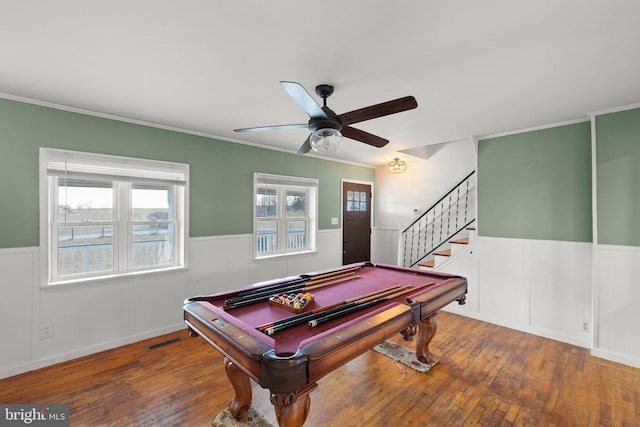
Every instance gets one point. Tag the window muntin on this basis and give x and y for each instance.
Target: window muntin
(285, 211)
(128, 216)
(356, 201)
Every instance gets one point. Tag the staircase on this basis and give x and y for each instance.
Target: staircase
(449, 250)
(442, 230)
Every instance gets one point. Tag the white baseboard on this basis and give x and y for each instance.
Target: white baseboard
(519, 327)
(616, 357)
(58, 358)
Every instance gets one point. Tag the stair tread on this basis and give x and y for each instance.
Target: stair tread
(446, 252)
(462, 241)
(429, 263)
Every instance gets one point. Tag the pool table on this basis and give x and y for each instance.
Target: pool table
(289, 362)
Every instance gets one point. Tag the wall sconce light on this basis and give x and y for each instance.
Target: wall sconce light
(397, 166)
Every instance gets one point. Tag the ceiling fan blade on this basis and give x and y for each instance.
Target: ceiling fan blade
(276, 127)
(304, 100)
(306, 147)
(378, 110)
(362, 136)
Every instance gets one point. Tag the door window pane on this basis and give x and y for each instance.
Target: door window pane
(356, 201)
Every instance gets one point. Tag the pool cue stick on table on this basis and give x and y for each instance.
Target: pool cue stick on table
(254, 299)
(363, 304)
(289, 322)
(288, 287)
(297, 281)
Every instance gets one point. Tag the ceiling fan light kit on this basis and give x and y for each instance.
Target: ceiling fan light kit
(326, 140)
(326, 127)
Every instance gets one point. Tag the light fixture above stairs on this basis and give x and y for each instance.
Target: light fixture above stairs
(397, 166)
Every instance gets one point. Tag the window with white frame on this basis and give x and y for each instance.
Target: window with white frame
(285, 210)
(107, 215)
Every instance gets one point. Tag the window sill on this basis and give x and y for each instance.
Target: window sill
(88, 281)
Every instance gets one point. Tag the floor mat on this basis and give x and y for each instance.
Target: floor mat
(250, 419)
(403, 355)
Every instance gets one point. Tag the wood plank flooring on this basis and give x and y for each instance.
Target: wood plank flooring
(487, 376)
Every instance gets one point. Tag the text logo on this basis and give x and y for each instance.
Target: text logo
(34, 415)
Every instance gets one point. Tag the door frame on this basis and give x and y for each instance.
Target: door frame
(373, 196)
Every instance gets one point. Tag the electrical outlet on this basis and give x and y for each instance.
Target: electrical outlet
(46, 331)
(585, 326)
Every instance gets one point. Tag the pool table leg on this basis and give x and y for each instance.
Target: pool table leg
(242, 387)
(426, 330)
(292, 408)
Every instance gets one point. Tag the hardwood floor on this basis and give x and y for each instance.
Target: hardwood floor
(487, 376)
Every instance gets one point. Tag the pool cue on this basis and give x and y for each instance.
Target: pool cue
(273, 286)
(304, 315)
(327, 310)
(303, 278)
(293, 282)
(286, 287)
(282, 289)
(331, 273)
(265, 296)
(330, 316)
(288, 283)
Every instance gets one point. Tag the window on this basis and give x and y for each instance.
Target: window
(285, 214)
(109, 216)
(356, 201)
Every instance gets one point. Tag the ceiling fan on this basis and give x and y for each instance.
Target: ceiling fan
(327, 128)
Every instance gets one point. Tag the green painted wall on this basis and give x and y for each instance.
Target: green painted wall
(221, 172)
(618, 172)
(536, 185)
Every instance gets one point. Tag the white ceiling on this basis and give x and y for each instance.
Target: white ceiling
(209, 66)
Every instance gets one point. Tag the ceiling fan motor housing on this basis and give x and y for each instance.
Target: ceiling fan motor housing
(331, 121)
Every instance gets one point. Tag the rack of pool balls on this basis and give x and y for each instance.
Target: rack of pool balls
(295, 302)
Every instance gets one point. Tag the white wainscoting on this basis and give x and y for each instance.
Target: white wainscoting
(17, 304)
(539, 287)
(94, 317)
(384, 245)
(548, 288)
(617, 296)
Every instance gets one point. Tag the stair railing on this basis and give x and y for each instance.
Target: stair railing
(445, 218)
